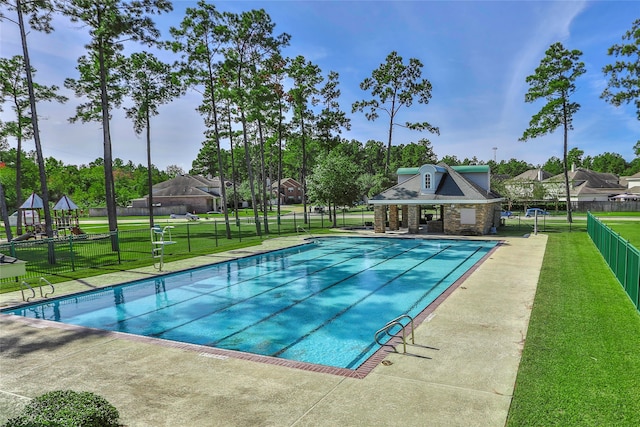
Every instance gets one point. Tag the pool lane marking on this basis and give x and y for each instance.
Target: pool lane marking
(240, 301)
(110, 326)
(344, 310)
(94, 294)
(244, 300)
(432, 289)
(213, 343)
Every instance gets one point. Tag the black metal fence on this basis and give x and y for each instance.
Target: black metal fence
(58, 256)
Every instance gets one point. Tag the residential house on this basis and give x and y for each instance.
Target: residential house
(289, 191)
(584, 186)
(527, 186)
(632, 182)
(195, 194)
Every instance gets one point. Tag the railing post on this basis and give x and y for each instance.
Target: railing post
(188, 238)
(73, 258)
(215, 228)
(117, 236)
(239, 232)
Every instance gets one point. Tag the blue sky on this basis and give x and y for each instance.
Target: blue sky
(476, 54)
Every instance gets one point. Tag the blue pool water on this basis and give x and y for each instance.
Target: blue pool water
(319, 303)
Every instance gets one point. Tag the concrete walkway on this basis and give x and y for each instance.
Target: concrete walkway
(479, 331)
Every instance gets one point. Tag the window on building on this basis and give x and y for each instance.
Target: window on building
(427, 180)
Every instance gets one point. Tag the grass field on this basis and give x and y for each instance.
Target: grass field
(581, 360)
(629, 230)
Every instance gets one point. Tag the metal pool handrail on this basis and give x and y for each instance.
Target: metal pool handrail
(46, 294)
(24, 285)
(396, 322)
(309, 233)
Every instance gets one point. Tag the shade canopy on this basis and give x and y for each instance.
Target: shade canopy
(33, 202)
(65, 204)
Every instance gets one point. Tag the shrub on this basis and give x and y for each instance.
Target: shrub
(67, 408)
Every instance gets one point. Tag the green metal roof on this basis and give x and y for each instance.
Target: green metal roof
(459, 169)
(408, 171)
(471, 168)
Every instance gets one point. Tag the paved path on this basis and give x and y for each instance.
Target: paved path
(479, 331)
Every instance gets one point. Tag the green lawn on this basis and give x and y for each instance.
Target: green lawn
(629, 230)
(581, 360)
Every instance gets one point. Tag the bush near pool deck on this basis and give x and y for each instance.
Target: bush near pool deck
(67, 408)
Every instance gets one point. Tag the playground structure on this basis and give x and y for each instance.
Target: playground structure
(33, 226)
(66, 217)
(65, 220)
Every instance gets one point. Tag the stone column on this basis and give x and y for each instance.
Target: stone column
(414, 219)
(379, 218)
(393, 218)
(405, 214)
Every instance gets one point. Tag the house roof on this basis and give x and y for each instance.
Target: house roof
(585, 181)
(284, 181)
(532, 175)
(454, 188)
(187, 185)
(630, 180)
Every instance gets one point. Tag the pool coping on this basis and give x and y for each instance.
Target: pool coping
(360, 372)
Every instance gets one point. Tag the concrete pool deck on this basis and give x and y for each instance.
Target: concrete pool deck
(479, 331)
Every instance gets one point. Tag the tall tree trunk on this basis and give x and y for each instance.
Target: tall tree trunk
(109, 183)
(387, 165)
(304, 168)
(263, 187)
(247, 159)
(149, 173)
(335, 218)
(279, 157)
(233, 170)
(4, 214)
(19, 199)
(565, 160)
(223, 191)
(36, 135)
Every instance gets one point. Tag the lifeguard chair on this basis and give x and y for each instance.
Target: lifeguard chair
(160, 237)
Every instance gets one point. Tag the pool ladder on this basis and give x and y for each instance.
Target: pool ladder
(309, 233)
(385, 330)
(24, 285)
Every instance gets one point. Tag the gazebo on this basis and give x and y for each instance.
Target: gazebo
(32, 223)
(66, 216)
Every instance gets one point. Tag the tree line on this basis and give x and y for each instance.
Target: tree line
(84, 184)
(280, 116)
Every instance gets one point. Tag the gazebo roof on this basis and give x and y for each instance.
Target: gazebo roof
(33, 202)
(65, 204)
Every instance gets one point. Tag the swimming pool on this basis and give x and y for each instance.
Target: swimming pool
(319, 303)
